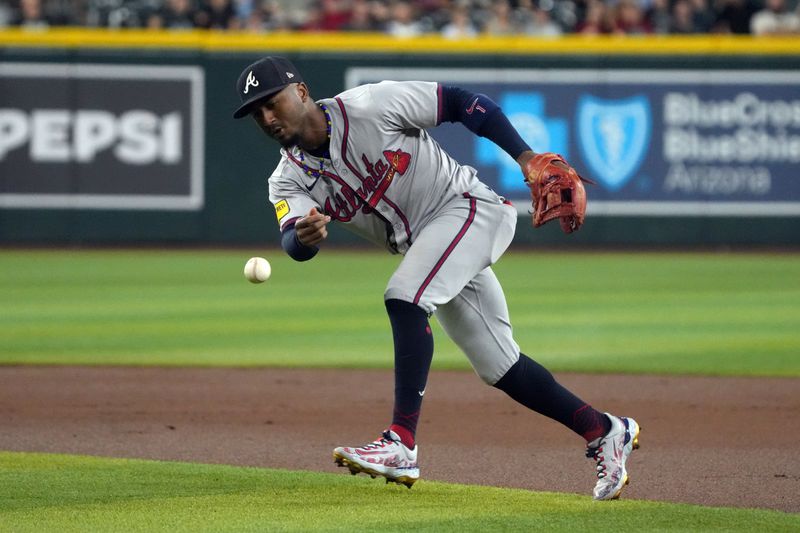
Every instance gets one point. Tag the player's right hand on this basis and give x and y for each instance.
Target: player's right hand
(311, 229)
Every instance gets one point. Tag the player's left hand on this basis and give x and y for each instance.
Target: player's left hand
(556, 190)
(311, 229)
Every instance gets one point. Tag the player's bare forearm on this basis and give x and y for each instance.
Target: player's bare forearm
(527, 155)
(524, 157)
(312, 228)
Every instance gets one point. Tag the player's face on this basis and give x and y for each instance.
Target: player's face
(281, 115)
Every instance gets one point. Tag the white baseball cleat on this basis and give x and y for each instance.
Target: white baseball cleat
(611, 452)
(387, 457)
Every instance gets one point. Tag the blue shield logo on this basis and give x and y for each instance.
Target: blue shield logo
(614, 137)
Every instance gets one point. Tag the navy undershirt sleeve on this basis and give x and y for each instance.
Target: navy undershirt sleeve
(481, 115)
(296, 250)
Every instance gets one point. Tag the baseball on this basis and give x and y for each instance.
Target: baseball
(257, 270)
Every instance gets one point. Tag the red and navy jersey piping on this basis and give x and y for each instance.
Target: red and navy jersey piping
(473, 207)
(354, 170)
(439, 104)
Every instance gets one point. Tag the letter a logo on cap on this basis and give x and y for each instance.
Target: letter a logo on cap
(250, 82)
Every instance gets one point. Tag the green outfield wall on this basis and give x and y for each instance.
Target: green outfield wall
(127, 136)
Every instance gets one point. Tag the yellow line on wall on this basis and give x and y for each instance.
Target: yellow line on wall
(211, 41)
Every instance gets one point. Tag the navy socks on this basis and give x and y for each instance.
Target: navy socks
(532, 385)
(527, 382)
(413, 352)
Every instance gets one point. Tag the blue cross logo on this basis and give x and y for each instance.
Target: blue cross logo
(543, 134)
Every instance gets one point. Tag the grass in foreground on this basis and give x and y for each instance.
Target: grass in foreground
(73, 493)
(705, 313)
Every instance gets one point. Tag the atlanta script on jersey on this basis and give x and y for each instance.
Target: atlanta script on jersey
(386, 177)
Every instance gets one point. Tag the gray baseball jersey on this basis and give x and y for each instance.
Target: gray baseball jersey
(389, 181)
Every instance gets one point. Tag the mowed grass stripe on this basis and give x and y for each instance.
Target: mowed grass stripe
(42, 492)
(703, 313)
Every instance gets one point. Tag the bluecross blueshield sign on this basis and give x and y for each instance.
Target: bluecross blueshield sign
(658, 142)
(88, 136)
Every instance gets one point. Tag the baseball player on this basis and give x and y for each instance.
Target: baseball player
(365, 160)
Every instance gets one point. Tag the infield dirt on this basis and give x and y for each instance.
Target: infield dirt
(710, 441)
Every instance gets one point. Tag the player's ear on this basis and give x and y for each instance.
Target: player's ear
(302, 91)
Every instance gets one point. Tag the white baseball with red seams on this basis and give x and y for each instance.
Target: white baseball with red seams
(257, 270)
(390, 182)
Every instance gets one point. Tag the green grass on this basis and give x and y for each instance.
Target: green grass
(70, 493)
(704, 313)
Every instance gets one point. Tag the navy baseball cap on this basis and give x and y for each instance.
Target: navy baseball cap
(264, 78)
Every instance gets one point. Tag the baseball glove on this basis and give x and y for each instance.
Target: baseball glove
(557, 191)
